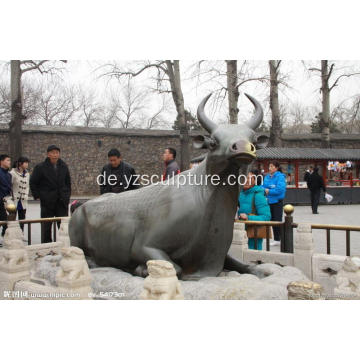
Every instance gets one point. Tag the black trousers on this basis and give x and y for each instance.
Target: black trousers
(3, 216)
(21, 216)
(59, 209)
(276, 215)
(315, 199)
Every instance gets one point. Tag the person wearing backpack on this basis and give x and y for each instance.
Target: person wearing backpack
(253, 206)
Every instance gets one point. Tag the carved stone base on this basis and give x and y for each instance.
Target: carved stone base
(304, 290)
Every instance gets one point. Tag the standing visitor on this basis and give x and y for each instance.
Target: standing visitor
(253, 206)
(51, 183)
(117, 176)
(275, 190)
(5, 187)
(315, 184)
(20, 186)
(308, 172)
(171, 166)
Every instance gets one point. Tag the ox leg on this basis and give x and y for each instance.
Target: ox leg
(232, 264)
(147, 253)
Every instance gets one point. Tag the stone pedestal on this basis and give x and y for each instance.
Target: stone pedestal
(348, 280)
(162, 282)
(63, 235)
(304, 249)
(304, 290)
(239, 242)
(74, 275)
(14, 261)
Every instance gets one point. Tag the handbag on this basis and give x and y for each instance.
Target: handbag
(260, 230)
(328, 197)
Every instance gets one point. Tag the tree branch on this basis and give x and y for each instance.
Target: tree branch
(341, 76)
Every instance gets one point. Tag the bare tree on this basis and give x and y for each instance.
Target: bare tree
(57, 105)
(130, 104)
(156, 119)
(233, 90)
(298, 119)
(90, 110)
(237, 74)
(30, 98)
(346, 117)
(17, 69)
(275, 130)
(167, 72)
(326, 71)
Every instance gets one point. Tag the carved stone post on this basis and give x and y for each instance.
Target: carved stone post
(348, 280)
(240, 241)
(14, 261)
(64, 232)
(304, 249)
(74, 276)
(162, 282)
(304, 290)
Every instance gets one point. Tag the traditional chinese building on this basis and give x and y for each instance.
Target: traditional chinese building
(338, 167)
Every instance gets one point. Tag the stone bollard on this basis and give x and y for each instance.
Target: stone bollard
(162, 282)
(348, 280)
(74, 276)
(240, 241)
(64, 232)
(304, 249)
(14, 261)
(304, 290)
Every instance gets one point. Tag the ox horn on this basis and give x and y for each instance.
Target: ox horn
(206, 123)
(256, 119)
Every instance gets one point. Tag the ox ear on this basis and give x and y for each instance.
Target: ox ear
(261, 142)
(202, 142)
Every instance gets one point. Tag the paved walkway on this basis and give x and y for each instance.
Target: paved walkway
(330, 214)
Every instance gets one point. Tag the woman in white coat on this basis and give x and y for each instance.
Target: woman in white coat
(20, 186)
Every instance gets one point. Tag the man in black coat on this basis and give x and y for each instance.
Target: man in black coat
(315, 184)
(51, 183)
(117, 176)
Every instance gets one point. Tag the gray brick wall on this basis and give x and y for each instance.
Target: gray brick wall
(85, 149)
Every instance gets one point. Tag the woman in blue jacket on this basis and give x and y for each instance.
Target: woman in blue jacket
(253, 194)
(275, 189)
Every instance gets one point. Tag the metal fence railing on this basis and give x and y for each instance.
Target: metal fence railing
(287, 232)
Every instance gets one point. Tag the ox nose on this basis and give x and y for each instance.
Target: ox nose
(244, 147)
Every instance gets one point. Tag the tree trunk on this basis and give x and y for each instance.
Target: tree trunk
(275, 131)
(173, 69)
(233, 91)
(325, 116)
(15, 125)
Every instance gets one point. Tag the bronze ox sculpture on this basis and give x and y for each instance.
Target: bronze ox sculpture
(189, 225)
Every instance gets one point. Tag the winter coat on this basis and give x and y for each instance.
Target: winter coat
(125, 178)
(276, 184)
(316, 182)
(5, 183)
(20, 186)
(246, 200)
(171, 169)
(261, 205)
(50, 185)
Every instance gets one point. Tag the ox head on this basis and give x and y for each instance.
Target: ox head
(233, 144)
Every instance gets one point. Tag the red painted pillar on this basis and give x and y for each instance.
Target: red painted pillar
(325, 172)
(297, 173)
